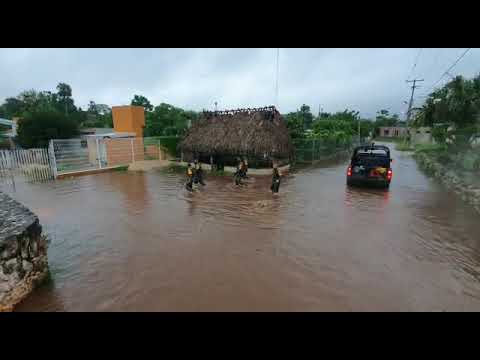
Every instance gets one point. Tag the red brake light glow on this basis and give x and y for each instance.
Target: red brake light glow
(349, 171)
(389, 174)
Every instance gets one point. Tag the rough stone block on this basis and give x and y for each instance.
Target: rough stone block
(23, 252)
(27, 266)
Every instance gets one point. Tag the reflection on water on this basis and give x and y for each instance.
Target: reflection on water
(139, 241)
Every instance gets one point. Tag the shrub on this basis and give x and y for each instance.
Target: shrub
(439, 133)
(430, 148)
(169, 144)
(38, 128)
(404, 146)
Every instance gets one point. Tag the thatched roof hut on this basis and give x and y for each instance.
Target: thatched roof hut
(254, 133)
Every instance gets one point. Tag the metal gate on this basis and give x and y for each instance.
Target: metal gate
(31, 165)
(72, 156)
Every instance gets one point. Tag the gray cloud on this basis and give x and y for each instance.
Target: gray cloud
(361, 79)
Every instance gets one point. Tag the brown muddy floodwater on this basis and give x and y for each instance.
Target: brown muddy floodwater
(125, 241)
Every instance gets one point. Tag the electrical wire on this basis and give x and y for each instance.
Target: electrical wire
(415, 62)
(450, 68)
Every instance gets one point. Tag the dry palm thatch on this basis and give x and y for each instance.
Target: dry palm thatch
(253, 132)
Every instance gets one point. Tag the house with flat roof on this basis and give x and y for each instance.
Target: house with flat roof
(393, 131)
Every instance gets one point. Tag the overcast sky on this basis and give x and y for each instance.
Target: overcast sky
(362, 79)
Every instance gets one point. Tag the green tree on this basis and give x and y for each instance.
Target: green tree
(37, 128)
(307, 116)
(140, 100)
(64, 90)
(79, 117)
(384, 118)
(455, 106)
(342, 126)
(13, 107)
(295, 125)
(92, 107)
(167, 116)
(64, 93)
(95, 118)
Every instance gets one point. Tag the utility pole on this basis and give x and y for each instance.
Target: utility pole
(276, 78)
(359, 137)
(410, 104)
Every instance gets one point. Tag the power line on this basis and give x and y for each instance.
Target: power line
(447, 72)
(415, 62)
(431, 69)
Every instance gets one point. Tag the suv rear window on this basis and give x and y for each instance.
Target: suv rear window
(372, 152)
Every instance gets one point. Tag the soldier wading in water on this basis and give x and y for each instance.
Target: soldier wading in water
(275, 180)
(198, 176)
(189, 184)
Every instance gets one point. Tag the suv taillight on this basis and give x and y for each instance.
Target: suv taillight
(389, 174)
(349, 171)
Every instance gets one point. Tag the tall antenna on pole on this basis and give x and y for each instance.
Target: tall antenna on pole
(276, 81)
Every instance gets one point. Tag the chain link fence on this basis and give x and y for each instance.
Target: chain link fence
(311, 150)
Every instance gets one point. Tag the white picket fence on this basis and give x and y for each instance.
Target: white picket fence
(33, 165)
(69, 156)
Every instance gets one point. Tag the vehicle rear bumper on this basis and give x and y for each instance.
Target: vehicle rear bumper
(367, 181)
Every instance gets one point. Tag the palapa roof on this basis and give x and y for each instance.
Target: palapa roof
(240, 132)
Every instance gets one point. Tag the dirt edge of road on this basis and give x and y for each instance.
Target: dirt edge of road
(469, 192)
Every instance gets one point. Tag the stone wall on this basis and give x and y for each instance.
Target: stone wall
(468, 192)
(23, 252)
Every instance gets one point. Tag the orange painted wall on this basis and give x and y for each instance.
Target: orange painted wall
(129, 119)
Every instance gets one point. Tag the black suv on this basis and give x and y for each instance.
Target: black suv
(370, 165)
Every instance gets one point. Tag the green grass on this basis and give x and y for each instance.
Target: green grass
(404, 146)
(430, 148)
(467, 161)
(121, 168)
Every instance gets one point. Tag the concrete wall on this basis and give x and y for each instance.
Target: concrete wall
(129, 119)
(119, 151)
(92, 151)
(23, 252)
(422, 135)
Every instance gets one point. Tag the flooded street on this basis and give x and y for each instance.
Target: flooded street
(125, 241)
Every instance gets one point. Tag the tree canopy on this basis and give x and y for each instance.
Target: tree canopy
(140, 100)
(37, 128)
(340, 126)
(453, 111)
(166, 119)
